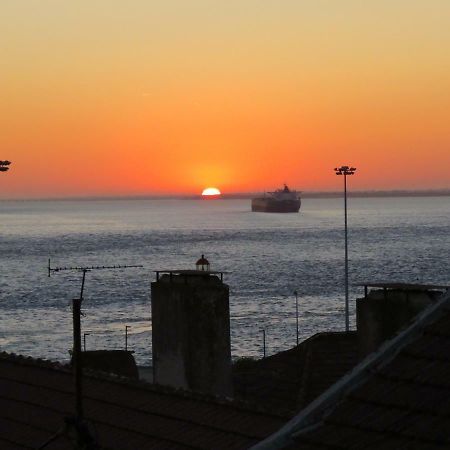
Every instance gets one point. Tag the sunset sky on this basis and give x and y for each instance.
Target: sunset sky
(113, 97)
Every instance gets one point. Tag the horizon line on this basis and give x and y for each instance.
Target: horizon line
(243, 195)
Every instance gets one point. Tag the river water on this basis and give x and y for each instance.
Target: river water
(268, 256)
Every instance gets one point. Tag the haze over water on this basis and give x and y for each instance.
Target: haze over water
(268, 256)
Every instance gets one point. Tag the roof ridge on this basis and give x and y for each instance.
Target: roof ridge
(305, 343)
(31, 361)
(322, 406)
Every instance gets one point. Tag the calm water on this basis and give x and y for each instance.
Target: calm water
(268, 257)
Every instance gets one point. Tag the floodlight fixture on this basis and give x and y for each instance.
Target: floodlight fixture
(4, 165)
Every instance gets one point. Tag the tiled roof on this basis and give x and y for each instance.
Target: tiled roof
(329, 356)
(289, 380)
(398, 398)
(36, 396)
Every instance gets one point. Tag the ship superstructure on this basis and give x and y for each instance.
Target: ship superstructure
(282, 200)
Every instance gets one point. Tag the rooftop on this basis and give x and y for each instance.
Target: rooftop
(36, 396)
(396, 398)
(404, 286)
(188, 273)
(289, 380)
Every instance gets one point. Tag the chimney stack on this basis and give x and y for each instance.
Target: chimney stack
(191, 330)
(388, 308)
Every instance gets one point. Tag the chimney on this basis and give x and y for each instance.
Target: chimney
(388, 308)
(191, 330)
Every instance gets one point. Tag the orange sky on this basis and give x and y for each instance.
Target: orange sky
(114, 98)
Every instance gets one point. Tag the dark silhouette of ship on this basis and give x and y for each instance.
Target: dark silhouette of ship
(280, 201)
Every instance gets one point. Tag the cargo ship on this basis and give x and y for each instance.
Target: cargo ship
(280, 201)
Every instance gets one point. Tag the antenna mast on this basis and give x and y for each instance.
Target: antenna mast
(78, 423)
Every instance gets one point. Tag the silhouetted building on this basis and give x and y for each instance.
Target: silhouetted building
(396, 398)
(117, 362)
(389, 307)
(191, 331)
(288, 381)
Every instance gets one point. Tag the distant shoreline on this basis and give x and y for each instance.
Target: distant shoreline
(361, 194)
(249, 195)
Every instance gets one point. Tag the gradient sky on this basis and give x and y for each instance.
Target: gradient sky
(109, 97)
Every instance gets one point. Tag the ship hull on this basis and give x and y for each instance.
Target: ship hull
(267, 204)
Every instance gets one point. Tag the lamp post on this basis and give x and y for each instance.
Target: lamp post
(296, 311)
(263, 330)
(346, 170)
(4, 166)
(84, 339)
(126, 336)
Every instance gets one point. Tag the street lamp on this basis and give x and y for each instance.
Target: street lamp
(126, 336)
(4, 166)
(296, 311)
(263, 330)
(346, 170)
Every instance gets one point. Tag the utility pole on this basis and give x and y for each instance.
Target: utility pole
(78, 423)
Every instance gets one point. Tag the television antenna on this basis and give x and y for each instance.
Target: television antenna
(77, 425)
(88, 268)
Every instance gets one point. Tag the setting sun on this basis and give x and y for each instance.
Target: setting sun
(211, 191)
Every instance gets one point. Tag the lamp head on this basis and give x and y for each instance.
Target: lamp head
(345, 170)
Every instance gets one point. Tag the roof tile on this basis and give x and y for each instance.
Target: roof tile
(35, 398)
